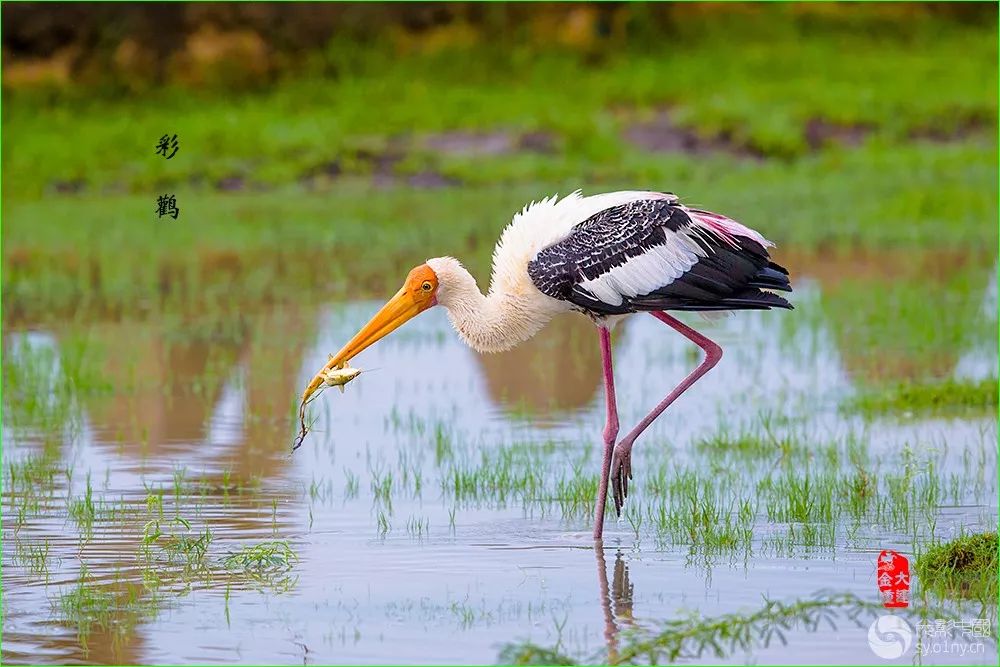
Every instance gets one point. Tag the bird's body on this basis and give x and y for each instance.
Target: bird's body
(607, 256)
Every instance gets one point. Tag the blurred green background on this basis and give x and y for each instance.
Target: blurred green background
(325, 148)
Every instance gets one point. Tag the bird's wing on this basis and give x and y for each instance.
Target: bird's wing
(655, 254)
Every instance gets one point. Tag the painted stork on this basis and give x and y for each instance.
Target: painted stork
(606, 256)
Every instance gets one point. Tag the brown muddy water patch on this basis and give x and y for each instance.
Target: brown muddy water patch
(954, 130)
(662, 134)
(494, 143)
(831, 265)
(820, 133)
(378, 161)
(68, 187)
(905, 315)
(382, 161)
(379, 169)
(659, 132)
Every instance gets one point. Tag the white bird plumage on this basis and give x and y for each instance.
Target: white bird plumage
(514, 310)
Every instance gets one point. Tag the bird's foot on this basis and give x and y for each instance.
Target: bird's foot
(621, 473)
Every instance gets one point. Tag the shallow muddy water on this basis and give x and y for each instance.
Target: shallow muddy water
(441, 507)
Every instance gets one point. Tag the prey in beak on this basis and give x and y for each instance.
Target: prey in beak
(417, 294)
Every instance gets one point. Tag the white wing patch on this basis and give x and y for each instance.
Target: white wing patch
(540, 224)
(654, 269)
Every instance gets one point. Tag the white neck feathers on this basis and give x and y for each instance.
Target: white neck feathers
(508, 315)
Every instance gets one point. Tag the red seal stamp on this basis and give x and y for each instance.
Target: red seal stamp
(893, 578)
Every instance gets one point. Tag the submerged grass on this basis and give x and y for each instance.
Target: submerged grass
(170, 563)
(90, 606)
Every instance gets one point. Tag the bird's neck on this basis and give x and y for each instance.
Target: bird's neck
(496, 321)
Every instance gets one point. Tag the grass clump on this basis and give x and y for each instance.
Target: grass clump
(265, 566)
(965, 567)
(265, 556)
(949, 397)
(532, 654)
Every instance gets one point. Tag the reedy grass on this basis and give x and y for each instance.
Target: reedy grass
(91, 605)
(169, 563)
(693, 637)
(807, 497)
(32, 555)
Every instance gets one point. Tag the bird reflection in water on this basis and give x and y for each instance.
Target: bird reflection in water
(616, 599)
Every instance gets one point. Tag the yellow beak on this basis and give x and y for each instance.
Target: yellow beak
(417, 295)
(395, 313)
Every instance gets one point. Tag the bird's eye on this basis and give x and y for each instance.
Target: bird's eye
(426, 286)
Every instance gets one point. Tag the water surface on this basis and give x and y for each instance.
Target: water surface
(406, 550)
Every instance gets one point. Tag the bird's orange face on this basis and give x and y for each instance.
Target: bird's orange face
(417, 294)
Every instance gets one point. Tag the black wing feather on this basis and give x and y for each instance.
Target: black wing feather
(730, 277)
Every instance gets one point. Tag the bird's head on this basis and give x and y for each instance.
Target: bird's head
(441, 280)
(418, 293)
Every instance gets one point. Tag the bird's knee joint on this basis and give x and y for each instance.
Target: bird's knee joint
(611, 431)
(713, 353)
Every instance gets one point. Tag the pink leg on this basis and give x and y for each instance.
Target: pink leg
(610, 432)
(622, 460)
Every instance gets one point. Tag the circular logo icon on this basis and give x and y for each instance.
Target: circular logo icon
(890, 636)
